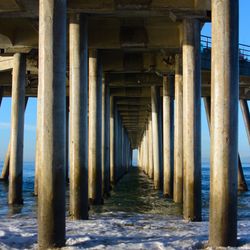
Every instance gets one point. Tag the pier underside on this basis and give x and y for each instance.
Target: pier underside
(118, 75)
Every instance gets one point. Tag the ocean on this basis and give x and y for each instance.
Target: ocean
(135, 217)
(133, 194)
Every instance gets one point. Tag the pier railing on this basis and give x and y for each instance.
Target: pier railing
(244, 55)
(244, 50)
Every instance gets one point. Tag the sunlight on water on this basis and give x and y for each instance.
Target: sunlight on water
(133, 194)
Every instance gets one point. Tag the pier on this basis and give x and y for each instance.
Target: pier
(115, 76)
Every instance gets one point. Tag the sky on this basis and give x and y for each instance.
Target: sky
(30, 114)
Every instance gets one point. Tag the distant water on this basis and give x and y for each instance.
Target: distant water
(133, 194)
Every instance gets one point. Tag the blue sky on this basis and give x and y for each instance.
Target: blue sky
(244, 38)
(30, 114)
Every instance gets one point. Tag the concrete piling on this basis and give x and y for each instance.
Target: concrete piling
(242, 185)
(178, 132)
(160, 129)
(147, 148)
(224, 124)
(150, 150)
(17, 130)
(95, 128)
(168, 143)
(78, 116)
(155, 136)
(106, 138)
(117, 93)
(246, 116)
(67, 141)
(6, 164)
(52, 79)
(38, 138)
(191, 120)
(112, 140)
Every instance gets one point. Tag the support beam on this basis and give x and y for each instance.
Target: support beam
(119, 145)
(122, 149)
(160, 129)
(224, 124)
(38, 138)
(78, 66)
(246, 116)
(191, 120)
(168, 133)
(6, 165)
(67, 140)
(155, 133)
(112, 140)
(106, 138)
(95, 128)
(103, 137)
(147, 148)
(17, 130)
(116, 145)
(52, 79)
(150, 150)
(178, 132)
(242, 184)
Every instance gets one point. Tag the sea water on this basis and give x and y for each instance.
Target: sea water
(133, 194)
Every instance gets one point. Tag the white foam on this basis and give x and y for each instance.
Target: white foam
(118, 231)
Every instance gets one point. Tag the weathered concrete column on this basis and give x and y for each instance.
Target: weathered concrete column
(242, 185)
(5, 170)
(168, 133)
(141, 159)
(139, 156)
(155, 136)
(78, 67)
(105, 138)
(116, 145)
(191, 120)
(150, 150)
(144, 152)
(112, 140)
(178, 132)
(38, 138)
(147, 148)
(131, 155)
(52, 79)
(119, 146)
(6, 164)
(224, 123)
(160, 129)
(127, 154)
(95, 128)
(67, 141)
(17, 129)
(246, 116)
(126, 151)
(122, 149)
